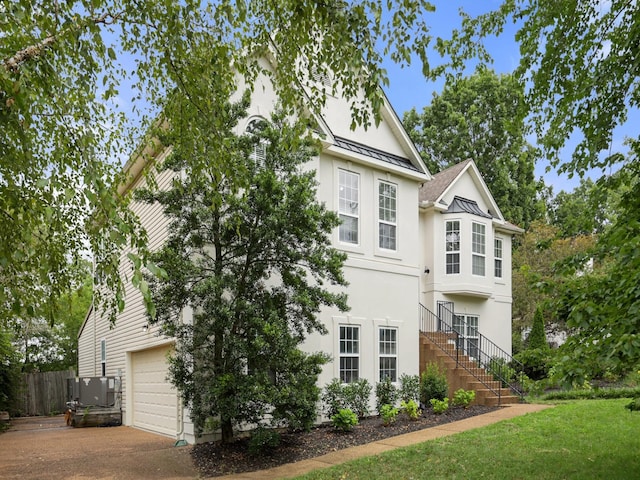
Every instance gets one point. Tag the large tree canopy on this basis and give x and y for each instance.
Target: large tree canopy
(254, 265)
(580, 62)
(61, 138)
(481, 117)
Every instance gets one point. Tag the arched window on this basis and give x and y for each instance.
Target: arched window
(255, 126)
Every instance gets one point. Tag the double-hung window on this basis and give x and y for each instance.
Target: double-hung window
(387, 226)
(349, 205)
(349, 353)
(478, 248)
(497, 254)
(452, 240)
(388, 351)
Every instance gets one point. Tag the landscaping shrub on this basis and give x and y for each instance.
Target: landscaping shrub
(262, 440)
(386, 393)
(333, 398)
(633, 405)
(409, 387)
(439, 406)
(537, 337)
(356, 396)
(433, 384)
(501, 371)
(388, 413)
(411, 409)
(536, 362)
(463, 398)
(344, 420)
(586, 394)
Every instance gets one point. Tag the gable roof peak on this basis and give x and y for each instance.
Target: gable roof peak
(432, 190)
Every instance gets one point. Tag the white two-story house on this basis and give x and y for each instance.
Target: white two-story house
(411, 239)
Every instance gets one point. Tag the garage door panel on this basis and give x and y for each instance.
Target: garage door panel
(154, 398)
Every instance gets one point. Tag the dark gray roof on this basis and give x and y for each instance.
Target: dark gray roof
(464, 205)
(375, 153)
(433, 189)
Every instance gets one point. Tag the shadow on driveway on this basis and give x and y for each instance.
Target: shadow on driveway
(45, 448)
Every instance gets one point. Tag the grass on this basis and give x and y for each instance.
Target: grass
(587, 439)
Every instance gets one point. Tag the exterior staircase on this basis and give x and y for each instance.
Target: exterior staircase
(492, 373)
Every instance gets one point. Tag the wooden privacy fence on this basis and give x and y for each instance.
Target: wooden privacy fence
(43, 393)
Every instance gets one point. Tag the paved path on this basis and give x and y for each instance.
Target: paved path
(336, 458)
(43, 448)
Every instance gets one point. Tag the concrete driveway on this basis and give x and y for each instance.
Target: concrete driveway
(45, 448)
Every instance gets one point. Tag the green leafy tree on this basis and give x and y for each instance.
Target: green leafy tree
(480, 117)
(539, 266)
(63, 66)
(580, 63)
(52, 344)
(251, 263)
(9, 371)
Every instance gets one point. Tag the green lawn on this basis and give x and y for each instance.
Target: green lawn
(578, 439)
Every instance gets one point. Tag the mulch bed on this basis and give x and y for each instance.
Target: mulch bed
(216, 459)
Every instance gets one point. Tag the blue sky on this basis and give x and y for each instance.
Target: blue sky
(408, 87)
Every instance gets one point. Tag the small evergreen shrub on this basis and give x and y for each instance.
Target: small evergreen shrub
(333, 398)
(633, 405)
(386, 393)
(463, 398)
(433, 384)
(388, 413)
(439, 406)
(537, 336)
(409, 387)
(356, 396)
(262, 440)
(344, 420)
(411, 409)
(536, 362)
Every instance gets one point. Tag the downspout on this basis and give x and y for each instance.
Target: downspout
(180, 442)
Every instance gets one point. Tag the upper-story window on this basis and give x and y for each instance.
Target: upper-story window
(349, 205)
(387, 227)
(259, 153)
(478, 248)
(497, 255)
(452, 240)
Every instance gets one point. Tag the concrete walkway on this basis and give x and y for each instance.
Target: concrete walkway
(341, 456)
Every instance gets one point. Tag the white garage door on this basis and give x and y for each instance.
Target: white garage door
(154, 398)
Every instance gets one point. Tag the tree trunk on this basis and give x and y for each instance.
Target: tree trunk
(227, 431)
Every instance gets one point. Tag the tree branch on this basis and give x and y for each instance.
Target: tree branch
(31, 52)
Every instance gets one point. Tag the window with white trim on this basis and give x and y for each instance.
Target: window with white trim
(349, 353)
(452, 241)
(103, 357)
(497, 255)
(387, 226)
(478, 248)
(259, 153)
(349, 205)
(388, 352)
